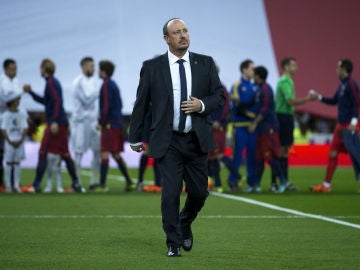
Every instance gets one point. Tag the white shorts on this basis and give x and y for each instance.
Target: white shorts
(84, 135)
(12, 154)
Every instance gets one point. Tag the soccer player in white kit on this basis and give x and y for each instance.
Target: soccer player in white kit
(14, 128)
(8, 84)
(84, 118)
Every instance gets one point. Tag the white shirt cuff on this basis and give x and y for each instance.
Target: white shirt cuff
(202, 106)
(354, 121)
(136, 144)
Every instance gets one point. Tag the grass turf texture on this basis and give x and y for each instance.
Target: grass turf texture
(120, 230)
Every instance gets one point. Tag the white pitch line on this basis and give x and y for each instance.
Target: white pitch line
(119, 178)
(286, 210)
(153, 217)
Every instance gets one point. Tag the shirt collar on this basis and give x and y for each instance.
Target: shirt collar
(245, 80)
(173, 58)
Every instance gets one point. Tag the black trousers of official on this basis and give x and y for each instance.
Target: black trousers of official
(183, 160)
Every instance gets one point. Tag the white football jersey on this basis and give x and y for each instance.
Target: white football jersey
(14, 124)
(86, 98)
(7, 86)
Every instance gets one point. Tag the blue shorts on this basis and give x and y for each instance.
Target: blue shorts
(286, 129)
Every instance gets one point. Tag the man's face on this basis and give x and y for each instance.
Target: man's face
(340, 72)
(178, 36)
(10, 71)
(43, 72)
(249, 71)
(88, 68)
(257, 79)
(102, 74)
(292, 67)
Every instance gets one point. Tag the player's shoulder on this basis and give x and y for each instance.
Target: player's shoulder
(112, 85)
(6, 114)
(2, 77)
(353, 82)
(23, 112)
(236, 84)
(78, 79)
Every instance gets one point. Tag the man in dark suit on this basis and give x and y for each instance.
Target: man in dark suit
(183, 88)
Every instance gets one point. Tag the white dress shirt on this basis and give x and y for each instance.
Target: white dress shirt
(175, 78)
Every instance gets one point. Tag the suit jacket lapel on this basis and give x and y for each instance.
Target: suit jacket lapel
(194, 74)
(167, 76)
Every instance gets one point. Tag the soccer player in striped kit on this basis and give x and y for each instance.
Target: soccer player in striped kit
(111, 125)
(84, 118)
(268, 147)
(55, 138)
(347, 99)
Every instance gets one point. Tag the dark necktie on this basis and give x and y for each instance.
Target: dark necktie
(183, 87)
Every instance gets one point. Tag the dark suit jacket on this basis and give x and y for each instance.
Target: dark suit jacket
(155, 87)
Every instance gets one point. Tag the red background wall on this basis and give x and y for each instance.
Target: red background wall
(317, 33)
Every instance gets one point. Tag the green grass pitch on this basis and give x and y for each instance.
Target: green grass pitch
(119, 230)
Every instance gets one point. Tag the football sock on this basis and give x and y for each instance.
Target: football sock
(273, 177)
(58, 177)
(276, 168)
(123, 169)
(49, 175)
(142, 167)
(229, 164)
(70, 166)
(78, 157)
(95, 167)
(259, 170)
(104, 165)
(332, 163)
(40, 169)
(284, 164)
(17, 173)
(7, 177)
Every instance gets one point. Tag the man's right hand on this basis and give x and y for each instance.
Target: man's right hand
(27, 88)
(54, 128)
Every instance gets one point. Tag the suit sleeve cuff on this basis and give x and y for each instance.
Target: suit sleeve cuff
(202, 106)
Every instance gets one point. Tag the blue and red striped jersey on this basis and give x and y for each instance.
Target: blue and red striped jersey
(110, 104)
(347, 97)
(53, 101)
(264, 97)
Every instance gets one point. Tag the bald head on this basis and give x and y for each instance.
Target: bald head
(176, 36)
(166, 25)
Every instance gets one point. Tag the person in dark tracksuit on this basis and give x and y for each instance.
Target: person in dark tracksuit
(243, 108)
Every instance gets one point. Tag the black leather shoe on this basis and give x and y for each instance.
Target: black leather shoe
(173, 251)
(187, 237)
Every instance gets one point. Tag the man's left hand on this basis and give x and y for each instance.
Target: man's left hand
(191, 106)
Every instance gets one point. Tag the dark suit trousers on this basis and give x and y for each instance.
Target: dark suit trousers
(183, 160)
